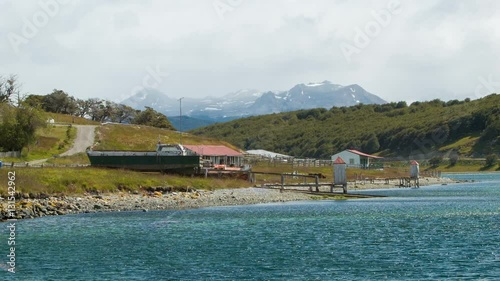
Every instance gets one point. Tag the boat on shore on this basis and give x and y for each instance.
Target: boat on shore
(168, 158)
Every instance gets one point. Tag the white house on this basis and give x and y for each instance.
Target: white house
(354, 158)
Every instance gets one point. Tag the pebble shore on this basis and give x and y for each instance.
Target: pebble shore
(145, 201)
(27, 207)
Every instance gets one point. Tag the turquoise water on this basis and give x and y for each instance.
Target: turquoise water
(431, 233)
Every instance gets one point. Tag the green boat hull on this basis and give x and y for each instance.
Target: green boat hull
(146, 162)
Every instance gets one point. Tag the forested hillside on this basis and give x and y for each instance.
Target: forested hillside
(423, 129)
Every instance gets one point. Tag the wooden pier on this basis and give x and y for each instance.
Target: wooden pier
(311, 187)
(409, 182)
(337, 194)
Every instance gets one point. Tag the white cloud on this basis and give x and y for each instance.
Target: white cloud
(102, 48)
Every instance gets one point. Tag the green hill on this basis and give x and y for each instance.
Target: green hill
(468, 128)
(189, 123)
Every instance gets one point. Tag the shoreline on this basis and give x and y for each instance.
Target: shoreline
(27, 208)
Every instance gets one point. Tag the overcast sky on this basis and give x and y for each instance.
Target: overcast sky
(408, 50)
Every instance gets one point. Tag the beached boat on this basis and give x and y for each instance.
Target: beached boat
(167, 158)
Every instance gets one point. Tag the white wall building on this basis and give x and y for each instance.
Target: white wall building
(354, 158)
(267, 154)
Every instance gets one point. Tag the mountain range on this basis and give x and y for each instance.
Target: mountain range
(245, 103)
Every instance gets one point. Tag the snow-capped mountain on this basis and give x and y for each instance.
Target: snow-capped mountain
(253, 102)
(217, 108)
(314, 95)
(154, 99)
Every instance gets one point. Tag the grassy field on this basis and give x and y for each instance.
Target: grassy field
(463, 146)
(136, 137)
(70, 181)
(52, 140)
(68, 119)
(80, 158)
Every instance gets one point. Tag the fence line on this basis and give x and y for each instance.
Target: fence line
(309, 162)
(11, 154)
(432, 173)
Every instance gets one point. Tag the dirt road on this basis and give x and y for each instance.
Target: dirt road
(84, 138)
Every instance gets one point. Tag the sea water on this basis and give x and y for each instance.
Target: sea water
(430, 233)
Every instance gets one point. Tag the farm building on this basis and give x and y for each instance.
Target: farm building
(358, 159)
(267, 154)
(217, 154)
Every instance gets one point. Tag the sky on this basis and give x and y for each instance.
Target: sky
(399, 50)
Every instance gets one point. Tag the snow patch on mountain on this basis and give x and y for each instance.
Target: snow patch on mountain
(248, 102)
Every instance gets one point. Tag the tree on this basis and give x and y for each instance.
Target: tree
(83, 107)
(106, 110)
(491, 160)
(29, 119)
(100, 110)
(35, 101)
(122, 113)
(453, 158)
(151, 117)
(401, 104)
(59, 102)
(435, 161)
(95, 109)
(18, 126)
(8, 87)
(452, 102)
(491, 134)
(354, 144)
(371, 145)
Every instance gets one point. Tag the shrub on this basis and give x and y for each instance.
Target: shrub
(435, 161)
(453, 159)
(491, 160)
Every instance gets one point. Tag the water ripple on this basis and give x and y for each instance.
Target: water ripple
(433, 233)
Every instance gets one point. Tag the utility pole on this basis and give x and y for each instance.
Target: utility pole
(180, 120)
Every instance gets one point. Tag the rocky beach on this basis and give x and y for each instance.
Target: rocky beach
(29, 206)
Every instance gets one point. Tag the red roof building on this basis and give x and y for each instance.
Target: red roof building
(217, 154)
(339, 161)
(364, 154)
